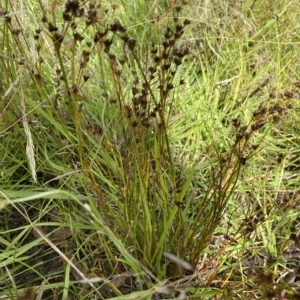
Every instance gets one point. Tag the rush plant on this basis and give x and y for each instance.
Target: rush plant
(105, 174)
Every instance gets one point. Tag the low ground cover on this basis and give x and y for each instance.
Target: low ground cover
(149, 150)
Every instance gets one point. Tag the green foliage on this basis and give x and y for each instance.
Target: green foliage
(138, 148)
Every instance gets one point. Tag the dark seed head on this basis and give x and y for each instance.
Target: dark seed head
(99, 35)
(44, 19)
(7, 18)
(186, 22)
(67, 16)
(17, 32)
(178, 8)
(78, 37)
(71, 6)
(151, 70)
(131, 44)
(52, 27)
(178, 28)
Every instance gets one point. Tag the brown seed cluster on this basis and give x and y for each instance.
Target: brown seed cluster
(265, 114)
(293, 93)
(152, 80)
(5, 15)
(149, 99)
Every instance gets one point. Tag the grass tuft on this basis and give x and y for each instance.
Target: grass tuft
(149, 150)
